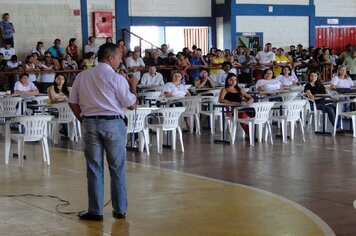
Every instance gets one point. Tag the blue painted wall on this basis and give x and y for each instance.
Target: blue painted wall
(84, 21)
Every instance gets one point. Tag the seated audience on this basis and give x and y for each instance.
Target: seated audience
(175, 88)
(152, 77)
(39, 49)
(72, 49)
(56, 50)
(350, 63)
(287, 78)
(267, 84)
(31, 67)
(135, 64)
(163, 53)
(68, 63)
(182, 65)
(280, 60)
(315, 87)
(197, 61)
(204, 80)
(46, 79)
(89, 61)
(91, 47)
(25, 87)
(122, 48)
(58, 91)
(217, 62)
(233, 94)
(221, 76)
(341, 80)
(7, 50)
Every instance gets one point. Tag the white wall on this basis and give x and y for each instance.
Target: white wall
(42, 20)
(102, 5)
(281, 31)
(275, 2)
(335, 8)
(219, 32)
(170, 8)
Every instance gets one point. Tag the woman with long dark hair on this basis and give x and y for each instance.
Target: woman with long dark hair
(58, 91)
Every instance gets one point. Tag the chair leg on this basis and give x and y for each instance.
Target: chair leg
(284, 133)
(270, 131)
(159, 140)
(302, 129)
(141, 141)
(212, 123)
(353, 119)
(181, 138)
(46, 151)
(7, 143)
(147, 140)
(197, 124)
(174, 139)
(292, 127)
(251, 129)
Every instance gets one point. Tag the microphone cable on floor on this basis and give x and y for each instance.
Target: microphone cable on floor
(63, 203)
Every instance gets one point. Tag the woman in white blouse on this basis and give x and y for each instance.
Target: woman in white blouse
(25, 87)
(341, 80)
(267, 84)
(287, 78)
(175, 88)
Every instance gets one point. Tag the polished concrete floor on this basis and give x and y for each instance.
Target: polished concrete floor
(198, 192)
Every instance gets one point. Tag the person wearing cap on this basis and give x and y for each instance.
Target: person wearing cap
(97, 99)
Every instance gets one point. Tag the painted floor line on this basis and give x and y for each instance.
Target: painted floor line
(323, 226)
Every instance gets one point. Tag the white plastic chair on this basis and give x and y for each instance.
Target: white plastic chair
(314, 115)
(41, 100)
(213, 92)
(170, 123)
(292, 114)
(150, 97)
(192, 111)
(347, 114)
(288, 96)
(213, 114)
(65, 116)
(34, 129)
(136, 123)
(261, 119)
(10, 105)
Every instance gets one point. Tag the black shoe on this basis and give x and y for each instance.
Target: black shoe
(118, 215)
(85, 215)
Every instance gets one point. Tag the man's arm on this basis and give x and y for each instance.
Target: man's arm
(76, 110)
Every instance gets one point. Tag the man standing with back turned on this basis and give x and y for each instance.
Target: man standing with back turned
(98, 97)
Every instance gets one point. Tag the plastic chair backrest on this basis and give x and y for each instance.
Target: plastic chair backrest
(294, 108)
(152, 94)
(41, 99)
(170, 116)
(10, 105)
(262, 111)
(136, 119)
(192, 104)
(289, 96)
(213, 92)
(35, 127)
(65, 114)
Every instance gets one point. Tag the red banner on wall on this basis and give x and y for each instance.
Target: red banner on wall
(103, 24)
